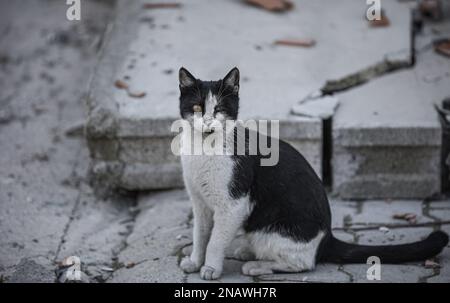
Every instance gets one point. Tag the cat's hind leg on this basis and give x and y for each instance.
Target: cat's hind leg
(276, 253)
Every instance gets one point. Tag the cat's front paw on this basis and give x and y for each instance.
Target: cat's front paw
(189, 266)
(209, 273)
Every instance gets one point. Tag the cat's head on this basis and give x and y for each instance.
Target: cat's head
(209, 102)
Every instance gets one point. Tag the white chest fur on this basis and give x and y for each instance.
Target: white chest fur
(207, 176)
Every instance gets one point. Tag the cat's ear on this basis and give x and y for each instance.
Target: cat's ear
(232, 79)
(186, 78)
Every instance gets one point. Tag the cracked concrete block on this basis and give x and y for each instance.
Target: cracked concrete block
(144, 49)
(323, 107)
(378, 213)
(387, 136)
(160, 231)
(324, 273)
(389, 273)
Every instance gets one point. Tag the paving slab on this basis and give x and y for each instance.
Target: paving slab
(153, 249)
(162, 235)
(324, 273)
(378, 213)
(147, 47)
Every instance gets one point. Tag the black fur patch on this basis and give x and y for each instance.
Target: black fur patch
(288, 198)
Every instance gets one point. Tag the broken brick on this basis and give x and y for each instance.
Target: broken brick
(296, 42)
(272, 5)
(442, 47)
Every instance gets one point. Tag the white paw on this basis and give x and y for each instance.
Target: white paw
(189, 266)
(209, 273)
(243, 253)
(255, 268)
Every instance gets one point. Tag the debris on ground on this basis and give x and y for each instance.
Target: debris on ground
(431, 263)
(381, 22)
(138, 94)
(76, 129)
(442, 47)
(384, 229)
(161, 5)
(410, 217)
(272, 5)
(123, 85)
(130, 265)
(296, 42)
(107, 269)
(69, 271)
(323, 107)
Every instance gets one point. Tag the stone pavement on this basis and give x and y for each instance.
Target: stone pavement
(162, 236)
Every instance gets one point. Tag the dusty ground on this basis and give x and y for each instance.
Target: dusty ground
(48, 211)
(46, 206)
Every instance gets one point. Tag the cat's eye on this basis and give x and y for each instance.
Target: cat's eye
(197, 108)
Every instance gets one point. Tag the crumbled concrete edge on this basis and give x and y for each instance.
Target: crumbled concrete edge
(365, 75)
(101, 106)
(387, 136)
(102, 109)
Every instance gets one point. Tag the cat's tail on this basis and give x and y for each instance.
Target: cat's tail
(338, 251)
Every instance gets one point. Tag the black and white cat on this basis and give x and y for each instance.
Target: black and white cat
(282, 209)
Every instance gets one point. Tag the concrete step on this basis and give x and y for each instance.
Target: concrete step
(386, 134)
(129, 138)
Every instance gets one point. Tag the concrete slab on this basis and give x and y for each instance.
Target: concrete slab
(386, 133)
(146, 47)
